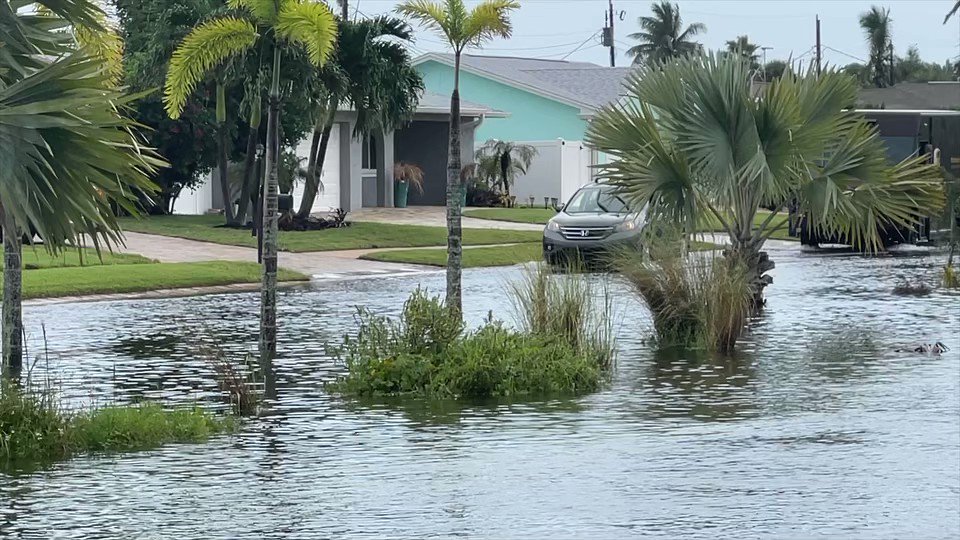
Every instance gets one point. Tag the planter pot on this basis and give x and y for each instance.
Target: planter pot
(401, 190)
(284, 203)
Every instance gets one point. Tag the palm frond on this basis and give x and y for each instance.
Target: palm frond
(952, 12)
(264, 11)
(431, 15)
(488, 20)
(311, 25)
(205, 47)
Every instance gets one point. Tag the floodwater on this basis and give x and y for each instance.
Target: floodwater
(817, 428)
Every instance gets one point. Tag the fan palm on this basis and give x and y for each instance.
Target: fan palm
(370, 70)
(696, 145)
(68, 156)
(500, 162)
(461, 28)
(663, 36)
(745, 50)
(269, 24)
(876, 25)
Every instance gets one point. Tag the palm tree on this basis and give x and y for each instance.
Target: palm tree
(876, 25)
(370, 70)
(68, 155)
(663, 37)
(695, 144)
(461, 28)
(747, 51)
(267, 24)
(956, 8)
(500, 162)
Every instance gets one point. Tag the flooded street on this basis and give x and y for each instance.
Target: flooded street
(817, 428)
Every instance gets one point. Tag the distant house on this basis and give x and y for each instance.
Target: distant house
(358, 171)
(550, 104)
(936, 95)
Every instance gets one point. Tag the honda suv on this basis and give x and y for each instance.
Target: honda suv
(594, 221)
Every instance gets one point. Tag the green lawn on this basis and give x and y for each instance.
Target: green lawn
(360, 235)
(515, 215)
(758, 219)
(37, 257)
(124, 278)
(480, 256)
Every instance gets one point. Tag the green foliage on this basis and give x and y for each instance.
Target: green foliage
(462, 27)
(662, 36)
(699, 301)
(950, 279)
(33, 427)
(427, 353)
(876, 26)
(746, 51)
(499, 163)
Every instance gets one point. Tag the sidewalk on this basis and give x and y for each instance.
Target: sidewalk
(434, 216)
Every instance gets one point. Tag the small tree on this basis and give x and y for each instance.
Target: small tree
(499, 163)
(461, 28)
(271, 24)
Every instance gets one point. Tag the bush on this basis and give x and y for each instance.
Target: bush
(34, 427)
(950, 278)
(697, 301)
(428, 353)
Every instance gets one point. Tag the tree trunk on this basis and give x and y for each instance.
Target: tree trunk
(222, 141)
(12, 295)
(249, 166)
(268, 291)
(454, 239)
(757, 263)
(318, 154)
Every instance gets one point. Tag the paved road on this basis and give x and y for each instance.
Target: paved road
(317, 264)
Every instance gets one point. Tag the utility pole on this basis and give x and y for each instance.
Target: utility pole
(613, 49)
(344, 10)
(819, 53)
(764, 66)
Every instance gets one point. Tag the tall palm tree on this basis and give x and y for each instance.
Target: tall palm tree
(663, 36)
(747, 51)
(876, 25)
(68, 156)
(370, 70)
(696, 145)
(268, 24)
(461, 28)
(500, 162)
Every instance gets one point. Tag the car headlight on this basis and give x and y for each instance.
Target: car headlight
(626, 226)
(553, 225)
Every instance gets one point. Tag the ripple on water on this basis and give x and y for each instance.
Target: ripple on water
(816, 427)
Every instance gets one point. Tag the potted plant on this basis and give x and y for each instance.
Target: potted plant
(404, 176)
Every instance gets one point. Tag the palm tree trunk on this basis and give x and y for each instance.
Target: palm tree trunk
(222, 141)
(318, 154)
(12, 295)
(268, 290)
(757, 264)
(249, 165)
(454, 239)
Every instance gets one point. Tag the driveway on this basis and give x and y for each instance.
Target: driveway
(435, 216)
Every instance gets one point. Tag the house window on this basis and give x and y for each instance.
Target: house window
(368, 158)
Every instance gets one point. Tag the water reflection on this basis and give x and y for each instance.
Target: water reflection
(816, 407)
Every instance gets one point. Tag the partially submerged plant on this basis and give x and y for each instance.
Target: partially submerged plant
(906, 288)
(240, 384)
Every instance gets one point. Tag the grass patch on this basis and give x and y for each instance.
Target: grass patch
(34, 428)
(126, 278)
(782, 233)
(359, 235)
(428, 353)
(513, 215)
(35, 257)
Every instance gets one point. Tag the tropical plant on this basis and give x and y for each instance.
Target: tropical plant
(876, 25)
(499, 163)
(270, 24)
(662, 36)
(409, 173)
(742, 48)
(69, 156)
(461, 28)
(695, 144)
(370, 71)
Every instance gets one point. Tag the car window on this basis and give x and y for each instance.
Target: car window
(596, 200)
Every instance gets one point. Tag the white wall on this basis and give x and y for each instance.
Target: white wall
(195, 201)
(329, 198)
(558, 170)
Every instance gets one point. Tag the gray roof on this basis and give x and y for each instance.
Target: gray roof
(913, 96)
(583, 83)
(431, 102)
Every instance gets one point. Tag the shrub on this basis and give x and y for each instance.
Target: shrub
(905, 288)
(950, 278)
(697, 301)
(426, 352)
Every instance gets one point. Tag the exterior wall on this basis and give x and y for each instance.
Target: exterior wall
(558, 170)
(532, 117)
(329, 197)
(425, 144)
(195, 201)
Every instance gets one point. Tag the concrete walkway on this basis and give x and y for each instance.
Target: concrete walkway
(316, 264)
(434, 216)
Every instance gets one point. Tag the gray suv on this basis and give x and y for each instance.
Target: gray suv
(593, 222)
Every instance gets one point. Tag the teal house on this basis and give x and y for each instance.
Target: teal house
(547, 104)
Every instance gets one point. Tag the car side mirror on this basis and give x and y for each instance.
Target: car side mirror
(558, 207)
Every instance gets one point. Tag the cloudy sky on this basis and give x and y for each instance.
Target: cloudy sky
(570, 28)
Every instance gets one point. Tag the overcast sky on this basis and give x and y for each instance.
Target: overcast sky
(555, 28)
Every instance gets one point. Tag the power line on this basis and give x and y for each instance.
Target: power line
(581, 45)
(845, 54)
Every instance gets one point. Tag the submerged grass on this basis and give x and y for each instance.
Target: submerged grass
(426, 352)
(33, 427)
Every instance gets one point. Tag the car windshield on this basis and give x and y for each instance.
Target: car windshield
(596, 200)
